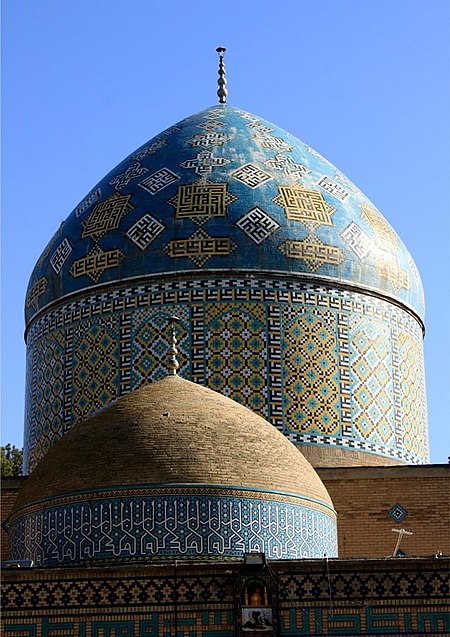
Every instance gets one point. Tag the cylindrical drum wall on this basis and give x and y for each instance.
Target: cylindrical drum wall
(339, 372)
(156, 522)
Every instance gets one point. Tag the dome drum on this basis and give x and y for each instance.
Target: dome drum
(181, 521)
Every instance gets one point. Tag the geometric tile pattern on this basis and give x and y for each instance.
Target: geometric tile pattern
(95, 263)
(333, 188)
(413, 396)
(159, 180)
(208, 139)
(163, 522)
(142, 604)
(106, 216)
(88, 201)
(310, 372)
(273, 143)
(151, 342)
(144, 231)
(95, 367)
(200, 247)
(295, 589)
(133, 171)
(233, 332)
(59, 257)
(235, 350)
(397, 513)
(36, 290)
(204, 162)
(288, 166)
(390, 270)
(371, 382)
(257, 225)
(203, 200)
(357, 240)
(301, 204)
(48, 398)
(381, 227)
(312, 251)
(251, 175)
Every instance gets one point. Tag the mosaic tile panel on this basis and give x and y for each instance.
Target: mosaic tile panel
(250, 338)
(94, 366)
(412, 392)
(371, 381)
(162, 522)
(235, 350)
(47, 400)
(310, 372)
(151, 337)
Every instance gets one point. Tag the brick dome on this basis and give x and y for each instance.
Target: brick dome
(167, 441)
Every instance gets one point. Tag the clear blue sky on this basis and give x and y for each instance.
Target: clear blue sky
(364, 82)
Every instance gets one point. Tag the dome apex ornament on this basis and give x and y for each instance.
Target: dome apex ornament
(221, 91)
(173, 363)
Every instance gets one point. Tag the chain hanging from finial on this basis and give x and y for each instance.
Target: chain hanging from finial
(222, 91)
(173, 363)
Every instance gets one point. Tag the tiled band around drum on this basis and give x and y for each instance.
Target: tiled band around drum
(326, 366)
(181, 521)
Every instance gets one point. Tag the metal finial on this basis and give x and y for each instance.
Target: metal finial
(222, 91)
(173, 363)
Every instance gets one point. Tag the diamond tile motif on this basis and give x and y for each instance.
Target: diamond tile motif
(357, 240)
(236, 351)
(301, 204)
(381, 227)
(201, 200)
(251, 175)
(313, 252)
(397, 513)
(200, 247)
(95, 263)
(106, 216)
(145, 230)
(257, 225)
(309, 373)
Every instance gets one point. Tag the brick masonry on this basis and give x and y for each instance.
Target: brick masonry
(311, 597)
(364, 496)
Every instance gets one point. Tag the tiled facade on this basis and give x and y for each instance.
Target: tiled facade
(322, 597)
(327, 366)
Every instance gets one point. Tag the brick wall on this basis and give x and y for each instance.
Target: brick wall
(363, 497)
(9, 490)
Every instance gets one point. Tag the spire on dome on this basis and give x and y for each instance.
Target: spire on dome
(173, 363)
(222, 91)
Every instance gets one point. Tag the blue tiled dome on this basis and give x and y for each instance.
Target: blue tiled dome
(224, 190)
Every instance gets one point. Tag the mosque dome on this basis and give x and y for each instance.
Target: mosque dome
(295, 296)
(224, 190)
(172, 469)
